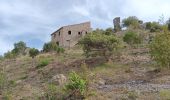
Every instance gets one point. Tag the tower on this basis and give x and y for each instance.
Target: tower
(116, 22)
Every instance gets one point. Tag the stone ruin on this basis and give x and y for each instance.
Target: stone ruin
(116, 22)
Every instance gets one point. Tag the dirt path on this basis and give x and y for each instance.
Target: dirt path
(139, 85)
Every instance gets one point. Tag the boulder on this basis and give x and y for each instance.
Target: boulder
(59, 79)
(101, 82)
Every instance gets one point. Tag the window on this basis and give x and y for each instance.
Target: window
(59, 33)
(57, 43)
(79, 33)
(69, 32)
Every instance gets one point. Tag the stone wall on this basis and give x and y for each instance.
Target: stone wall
(68, 36)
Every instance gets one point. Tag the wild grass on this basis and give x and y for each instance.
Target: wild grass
(164, 94)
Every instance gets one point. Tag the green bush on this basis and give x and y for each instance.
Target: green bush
(164, 94)
(51, 93)
(131, 21)
(9, 55)
(132, 95)
(160, 49)
(131, 38)
(2, 81)
(19, 48)
(51, 47)
(33, 52)
(43, 63)
(1, 57)
(76, 86)
(153, 26)
(97, 44)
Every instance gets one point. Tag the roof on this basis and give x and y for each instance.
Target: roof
(70, 25)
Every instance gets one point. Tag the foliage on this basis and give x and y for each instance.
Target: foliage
(77, 85)
(169, 26)
(51, 46)
(132, 95)
(148, 25)
(160, 49)
(109, 31)
(2, 80)
(1, 57)
(51, 92)
(131, 21)
(153, 26)
(19, 48)
(164, 94)
(43, 63)
(99, 31)
(131, 38)
(97, 44)
(168, 23)
(33, 52)
(9, 55)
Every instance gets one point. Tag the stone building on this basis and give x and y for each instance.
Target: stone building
(68, 36)
(116, 22)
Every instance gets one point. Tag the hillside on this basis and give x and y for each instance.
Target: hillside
(129, 75)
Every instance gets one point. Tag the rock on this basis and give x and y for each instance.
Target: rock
(101, 82)
(59, 79)
(18, 81)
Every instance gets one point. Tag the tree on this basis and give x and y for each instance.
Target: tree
(97, 44)
(132, 38)
(19, 48)
(33, 53)
(148, 25)
(131, 21)
(160, 49)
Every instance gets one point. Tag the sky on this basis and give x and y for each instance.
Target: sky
(32, 21)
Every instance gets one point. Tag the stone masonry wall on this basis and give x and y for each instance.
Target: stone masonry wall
(65, 39)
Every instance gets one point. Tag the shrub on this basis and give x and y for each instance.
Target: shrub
(1, 57)
(76, 86)
(160, 49)
(131, 21)
(60, 50)
(43, 63)
(2, 81)
(164, 95)
(97, 44)
(132, 95)
(153, 26)
(51, 47)
(33, 52)
(9, 55)
(132, 38)
(51, 92)
(109, 31)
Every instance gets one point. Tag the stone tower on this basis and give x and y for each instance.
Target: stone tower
(116, 22)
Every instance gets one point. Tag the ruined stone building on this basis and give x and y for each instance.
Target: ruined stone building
(116, 22)
(68, 36)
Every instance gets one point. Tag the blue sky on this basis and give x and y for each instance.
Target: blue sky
(32, 21)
